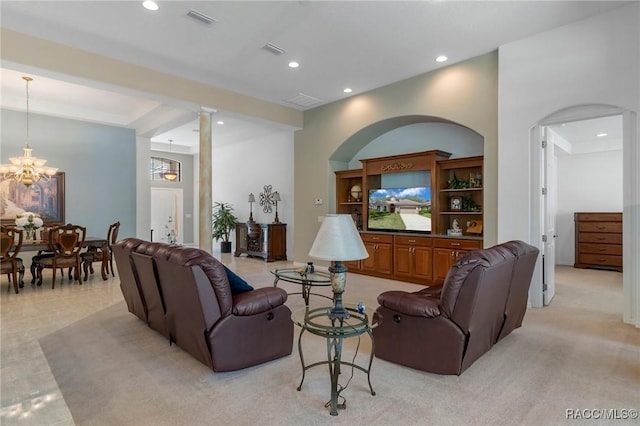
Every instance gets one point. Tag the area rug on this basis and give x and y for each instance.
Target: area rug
(114, 370)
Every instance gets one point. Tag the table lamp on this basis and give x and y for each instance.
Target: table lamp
(276, 198)
(338, 240)
(252, 199)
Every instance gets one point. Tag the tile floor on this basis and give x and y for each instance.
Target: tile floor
(29, 394)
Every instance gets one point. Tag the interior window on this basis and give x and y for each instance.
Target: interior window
(165, 169)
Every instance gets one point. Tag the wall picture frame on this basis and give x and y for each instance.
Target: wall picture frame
(455, 203)
(45, 198)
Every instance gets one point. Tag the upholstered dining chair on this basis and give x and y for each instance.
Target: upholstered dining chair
(65, 242)
(90, 256)
(44, 235)
(10, 263)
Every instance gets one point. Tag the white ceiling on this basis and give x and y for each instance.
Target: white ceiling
(359, 44)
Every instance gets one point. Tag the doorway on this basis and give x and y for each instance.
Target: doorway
(577, 167)
(166, 215)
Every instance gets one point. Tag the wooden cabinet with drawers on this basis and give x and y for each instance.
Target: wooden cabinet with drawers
(380, 249)
(446, 252)
(266, 240)
(412, 259)
(598, 240)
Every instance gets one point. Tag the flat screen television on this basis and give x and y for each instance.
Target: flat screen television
(400, 210)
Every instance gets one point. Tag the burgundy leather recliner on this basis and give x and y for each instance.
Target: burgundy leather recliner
(191, 303)
(483, 299)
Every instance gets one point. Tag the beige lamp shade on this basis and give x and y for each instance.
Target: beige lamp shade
(338, 239)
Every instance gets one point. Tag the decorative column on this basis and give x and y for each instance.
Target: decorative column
(205, 241)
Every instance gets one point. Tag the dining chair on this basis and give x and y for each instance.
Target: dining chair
(10, 263)
(44, 235)
(96, 255)
(65, 242)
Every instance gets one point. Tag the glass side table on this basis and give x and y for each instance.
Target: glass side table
(306, 279)
(316, 321)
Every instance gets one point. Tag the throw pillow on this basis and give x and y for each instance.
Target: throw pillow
(238, 285)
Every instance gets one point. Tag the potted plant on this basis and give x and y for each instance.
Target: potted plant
(224, 221)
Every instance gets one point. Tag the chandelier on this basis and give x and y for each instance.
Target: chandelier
(170, 174)
(27, 169)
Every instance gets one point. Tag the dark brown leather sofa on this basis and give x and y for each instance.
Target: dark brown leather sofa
(184, 294)
(483, 299)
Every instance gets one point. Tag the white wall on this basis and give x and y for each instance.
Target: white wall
(247, 166)
(601, 175)
(594, 61)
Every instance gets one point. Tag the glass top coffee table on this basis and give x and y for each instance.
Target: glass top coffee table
(305, 279)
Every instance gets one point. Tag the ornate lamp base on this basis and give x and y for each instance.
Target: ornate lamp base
(338, 281)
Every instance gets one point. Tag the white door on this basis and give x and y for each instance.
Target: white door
(549, 207)
(166, 214)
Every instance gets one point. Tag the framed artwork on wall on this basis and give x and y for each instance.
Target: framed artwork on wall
(43, 198)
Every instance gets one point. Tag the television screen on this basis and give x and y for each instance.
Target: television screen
(400, 209)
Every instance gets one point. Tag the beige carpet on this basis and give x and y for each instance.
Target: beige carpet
(576, 354)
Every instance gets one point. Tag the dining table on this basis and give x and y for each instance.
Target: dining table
(90, 243)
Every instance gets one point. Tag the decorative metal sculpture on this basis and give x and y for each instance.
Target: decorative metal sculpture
(266, 199)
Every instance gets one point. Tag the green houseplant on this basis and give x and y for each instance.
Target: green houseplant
(224, 221)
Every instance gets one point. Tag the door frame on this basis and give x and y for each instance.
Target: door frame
(631, 200)
(179, 194)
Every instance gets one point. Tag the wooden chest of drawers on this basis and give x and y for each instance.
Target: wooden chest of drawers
(598, 240)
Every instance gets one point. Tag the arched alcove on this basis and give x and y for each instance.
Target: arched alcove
(360, 139)
(427, 135)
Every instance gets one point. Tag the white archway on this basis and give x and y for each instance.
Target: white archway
(631, 200)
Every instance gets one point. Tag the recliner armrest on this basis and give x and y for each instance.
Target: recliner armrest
(415, 304)
(258, 301)
(432, 291)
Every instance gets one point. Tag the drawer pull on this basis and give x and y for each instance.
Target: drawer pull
(412, 241)
(455, 244)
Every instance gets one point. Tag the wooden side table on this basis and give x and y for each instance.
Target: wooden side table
(265, 240)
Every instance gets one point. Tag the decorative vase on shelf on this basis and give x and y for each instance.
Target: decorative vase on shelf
(29, 234)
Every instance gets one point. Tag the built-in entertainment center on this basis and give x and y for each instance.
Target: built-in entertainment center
(416, 213)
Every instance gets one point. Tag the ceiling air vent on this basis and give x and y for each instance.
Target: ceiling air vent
(200, 17)
(273, 49)
(303, 101)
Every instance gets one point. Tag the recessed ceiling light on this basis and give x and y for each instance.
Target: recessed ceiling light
(293, 64)
(347, 90)
(602, 135)
(441, 58)
(150, 5)
(220, 122)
